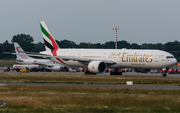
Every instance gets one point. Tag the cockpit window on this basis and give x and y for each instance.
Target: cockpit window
(169, 57)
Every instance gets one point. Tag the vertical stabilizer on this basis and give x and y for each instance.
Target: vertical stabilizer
(22, 54)
(50, 43)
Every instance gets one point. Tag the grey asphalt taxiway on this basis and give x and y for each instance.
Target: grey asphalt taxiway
(106, 74)
(95, 85)
(99, 85)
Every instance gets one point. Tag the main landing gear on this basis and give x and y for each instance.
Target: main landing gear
(116, 71)
(87, 72)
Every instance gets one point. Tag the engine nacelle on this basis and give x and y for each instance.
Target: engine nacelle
(56, 68)
(142, 70)
(97, 67)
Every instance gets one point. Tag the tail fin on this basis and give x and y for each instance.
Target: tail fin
(18, 49)
(50, 43)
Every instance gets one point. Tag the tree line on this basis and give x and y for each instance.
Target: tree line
(26, 42)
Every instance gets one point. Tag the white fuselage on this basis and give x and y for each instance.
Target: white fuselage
(34, 61)
(130, 58)
(17, 66)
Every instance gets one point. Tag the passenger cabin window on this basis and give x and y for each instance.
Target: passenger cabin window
(169, 57)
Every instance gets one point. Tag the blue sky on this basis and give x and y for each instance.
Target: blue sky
(141, 21)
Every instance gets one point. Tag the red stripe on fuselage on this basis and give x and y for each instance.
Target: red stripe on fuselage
(56, 47)
(60, 60)
(55, 54)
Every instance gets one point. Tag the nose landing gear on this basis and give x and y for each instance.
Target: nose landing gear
(164, 72)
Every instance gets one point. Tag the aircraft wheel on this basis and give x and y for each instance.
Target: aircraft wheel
(111, 73)
(115, 73)
(164, 75)
(89, 73)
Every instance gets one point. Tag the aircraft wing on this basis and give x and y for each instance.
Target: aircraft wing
(82, 60)
(46, 64)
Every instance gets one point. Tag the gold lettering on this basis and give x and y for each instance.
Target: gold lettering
(123, 56)
(144, 57)
(135, 57)
(147, 57)
(130, 58)
(114, 54)
(140, 58)
(118, 54)
(151, 59)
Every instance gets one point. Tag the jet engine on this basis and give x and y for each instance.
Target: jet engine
(56, 68)
(142, 70)
(97, 67)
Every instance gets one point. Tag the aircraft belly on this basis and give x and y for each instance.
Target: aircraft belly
(136, 65)
(72, 63)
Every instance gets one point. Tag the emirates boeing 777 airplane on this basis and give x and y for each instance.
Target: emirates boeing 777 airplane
(98, 60)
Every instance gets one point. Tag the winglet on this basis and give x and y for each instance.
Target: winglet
(50, 43)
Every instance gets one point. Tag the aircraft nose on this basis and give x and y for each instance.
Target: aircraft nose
(172, 62)
(175, 61)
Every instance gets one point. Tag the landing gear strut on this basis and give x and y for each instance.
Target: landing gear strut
(164, 72)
